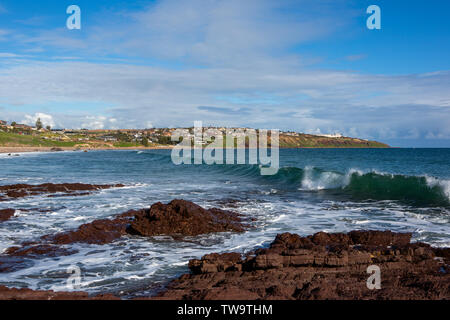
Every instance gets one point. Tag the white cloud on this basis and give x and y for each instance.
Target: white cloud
(93, 122)
(46, 119)
(9, 55)
(299, 99)
(215, 33)
(234, 59)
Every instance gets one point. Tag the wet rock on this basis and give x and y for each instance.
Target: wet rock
(28, 294)
(5, 214)
(317, 267)
(34, 250)
(380, 238)
(67, 189)
(96, 232)
(181, 217)
(216, 263)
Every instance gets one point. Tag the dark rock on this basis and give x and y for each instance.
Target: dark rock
(68, 189)
(5, 214)
(380, 238)
(31, 250)
(322, 266)
(28, 294)
(96, 232)
(181, 217)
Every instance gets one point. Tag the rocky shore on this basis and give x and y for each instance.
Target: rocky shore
(317, 267)
(15, 191)
(178, 219)
(28, 294)
(320, 267)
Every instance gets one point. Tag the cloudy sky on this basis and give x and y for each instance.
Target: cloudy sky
(303, 65)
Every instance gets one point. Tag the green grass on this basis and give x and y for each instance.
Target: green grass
(8, 139)
(301, 141)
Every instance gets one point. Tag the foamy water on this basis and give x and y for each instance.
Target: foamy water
(310, 194)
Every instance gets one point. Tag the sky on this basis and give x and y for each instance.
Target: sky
(304, 65)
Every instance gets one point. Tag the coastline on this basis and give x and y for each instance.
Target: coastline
(320, 266)
(52, 149)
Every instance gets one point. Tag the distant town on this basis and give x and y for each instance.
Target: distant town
(40, 135)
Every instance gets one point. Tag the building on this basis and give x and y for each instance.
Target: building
(108, 138)
(23, 126)
(3, 123)
(336, 135)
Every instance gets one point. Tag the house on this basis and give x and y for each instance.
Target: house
(108, 138)
(336, 135)
(3, 123)
(23, 126)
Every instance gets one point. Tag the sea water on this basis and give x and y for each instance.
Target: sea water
(332, 190)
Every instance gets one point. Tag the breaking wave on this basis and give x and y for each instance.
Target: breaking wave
(420, 190)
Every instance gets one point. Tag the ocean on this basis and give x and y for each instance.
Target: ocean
(332, 190)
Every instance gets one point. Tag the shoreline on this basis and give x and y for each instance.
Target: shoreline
(52, 149)
(320, 266)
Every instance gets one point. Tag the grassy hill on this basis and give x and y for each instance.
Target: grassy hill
(311, 141)
(9, 139)
(17, 140)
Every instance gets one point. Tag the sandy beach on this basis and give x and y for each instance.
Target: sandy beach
(52, 149)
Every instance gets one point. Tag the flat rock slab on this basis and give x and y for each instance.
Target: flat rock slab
(15, 191)
(28, 294)
(318, 267)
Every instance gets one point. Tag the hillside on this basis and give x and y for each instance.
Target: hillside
(311, 141)
(95, 141)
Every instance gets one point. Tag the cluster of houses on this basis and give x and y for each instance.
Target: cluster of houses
(154, 135)
(19, 127)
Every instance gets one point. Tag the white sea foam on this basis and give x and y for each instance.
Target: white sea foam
(444, 184)
(314, 180)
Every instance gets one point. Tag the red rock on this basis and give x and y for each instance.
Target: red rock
(310, 268)
(24, 190)
(38, 250)
(96, 232)
(180, 217)
(380, 238)
(5, 214)
(28, 294)
(185, 218)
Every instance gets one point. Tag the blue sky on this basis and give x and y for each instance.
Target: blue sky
(304, 65)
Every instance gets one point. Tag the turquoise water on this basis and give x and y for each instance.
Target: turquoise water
(333, 190)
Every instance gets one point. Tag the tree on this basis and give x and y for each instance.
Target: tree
(49, 128)
(13, 123)
(145, 142)
(39, 124)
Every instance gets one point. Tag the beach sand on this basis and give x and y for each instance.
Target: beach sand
(52, 149)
